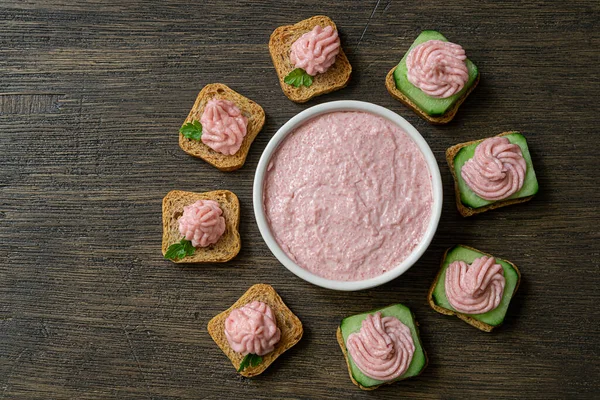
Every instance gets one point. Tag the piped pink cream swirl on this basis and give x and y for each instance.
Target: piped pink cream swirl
(252, 329)
(223, 126)
(475, 288)
(496, 170)
(202, 223)
(383, 347)
(315, 51)
(437, 68)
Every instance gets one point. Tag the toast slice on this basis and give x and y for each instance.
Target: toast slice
(287, 322)
(280, 43)
(229, 244)
(342, 344)
(467, 318)
(390, 84)
(250, 109)
(468, 211)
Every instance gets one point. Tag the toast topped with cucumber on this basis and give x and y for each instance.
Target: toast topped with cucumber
(474, 286)
(492, 173)
(433, 78)
(370, 364)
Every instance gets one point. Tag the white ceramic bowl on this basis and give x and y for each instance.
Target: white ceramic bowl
(288, 127)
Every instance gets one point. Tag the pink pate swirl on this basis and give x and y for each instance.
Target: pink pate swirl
(202, 223)
(496, 170)
(223, 126)
(475, 288)
(383, 347)
(437, 68)
(315, 51)
(252, 329)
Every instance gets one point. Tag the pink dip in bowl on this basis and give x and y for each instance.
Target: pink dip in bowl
(348, 195)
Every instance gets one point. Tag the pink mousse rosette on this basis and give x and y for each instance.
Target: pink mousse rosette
(383, 348)
(315, 51)
(223, 126)
(437, 68)
(475, 288)
(202, 223)
(496, 170)
(252, 329)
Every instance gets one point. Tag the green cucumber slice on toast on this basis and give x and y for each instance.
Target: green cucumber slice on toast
(494, 317)
(430, 105)
(419, 361)
(470, 199)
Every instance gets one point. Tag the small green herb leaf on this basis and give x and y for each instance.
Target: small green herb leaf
(298, 77)
(179, 250)
(192, 130)
(251, 360)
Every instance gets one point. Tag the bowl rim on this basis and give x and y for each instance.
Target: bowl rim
(277, 139)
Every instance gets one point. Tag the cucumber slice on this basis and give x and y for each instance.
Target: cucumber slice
(493, 317)
(470, 199)
(353, 324)
(430, 105)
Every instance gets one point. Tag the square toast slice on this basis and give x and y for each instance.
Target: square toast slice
(287, 322)
(250, 109)
(419, 350)
(463, 209)
(280, 43)
(229, 244)
(410, 100)
(465, 317)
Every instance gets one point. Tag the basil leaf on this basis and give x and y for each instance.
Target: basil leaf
(251, 360)
(255, 360)
(192, 130)
(180, 250)
(187, 247)
(298, 77)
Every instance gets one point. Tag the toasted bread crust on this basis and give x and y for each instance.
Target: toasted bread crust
(280, 42)
(250, 109)
(340, 340)
(390, 84)
(229, 244)
(468, 319)
(288, 323)
(468, 211)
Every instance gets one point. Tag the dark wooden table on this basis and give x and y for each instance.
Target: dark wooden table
(92, 95)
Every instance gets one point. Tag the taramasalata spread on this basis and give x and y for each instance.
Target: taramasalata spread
(348, 195)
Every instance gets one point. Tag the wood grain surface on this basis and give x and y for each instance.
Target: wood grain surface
(92, 95)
